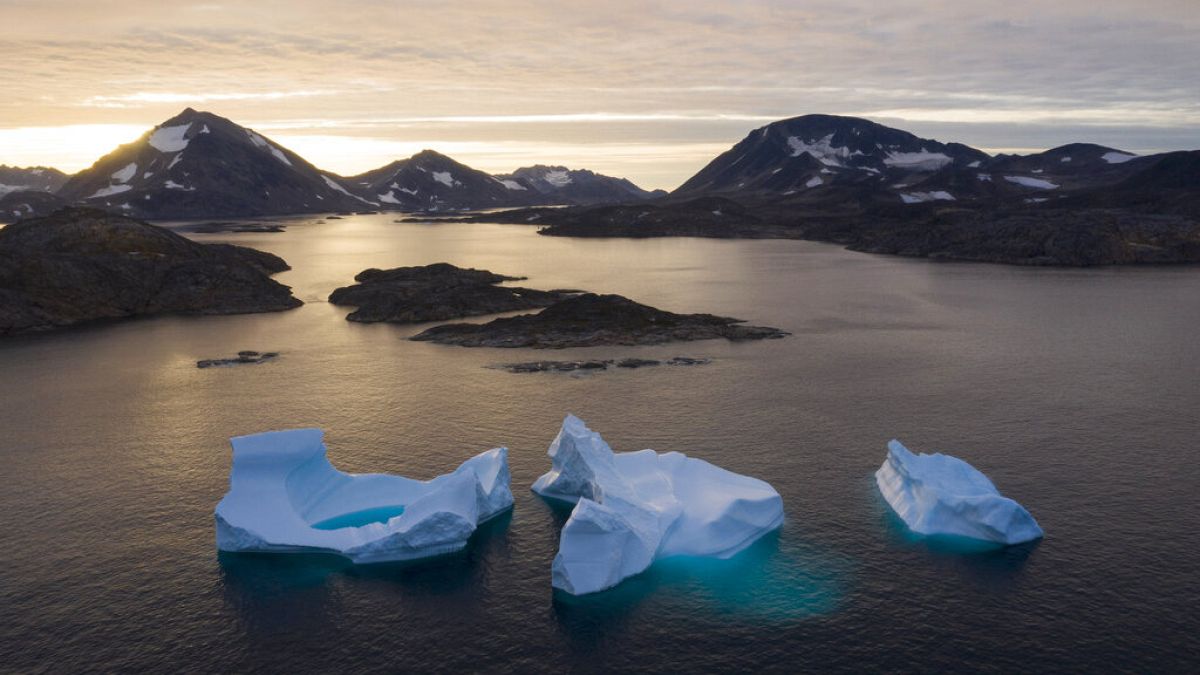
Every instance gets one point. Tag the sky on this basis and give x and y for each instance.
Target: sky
(646, 90)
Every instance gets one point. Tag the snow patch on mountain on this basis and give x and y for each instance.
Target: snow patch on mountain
(111, 190)
(917, 161)
(445, 178)
(512, 184)
(125, 174)
(822, 149)
(388, 197)
(918, 197)
(170, 139)
(1031, 182)
(557, 178)
(261, 142)
(1117, 157)
(814, 182)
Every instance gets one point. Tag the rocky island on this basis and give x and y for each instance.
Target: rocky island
(82, 264)
(436, 292)
(589, 320)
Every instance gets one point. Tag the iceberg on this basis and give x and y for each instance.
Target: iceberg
(942, 495)
(285, 496)
(633, 508)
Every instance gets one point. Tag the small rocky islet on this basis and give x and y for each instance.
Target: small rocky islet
(590, 320)
(437, 292)
(595, 365)
(242, 358)
(82, 264)
(569, 317)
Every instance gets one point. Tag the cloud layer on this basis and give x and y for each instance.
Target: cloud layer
(620, 82)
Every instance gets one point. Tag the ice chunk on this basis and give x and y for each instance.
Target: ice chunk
(942, 495)
(285, 496)
(633, 508)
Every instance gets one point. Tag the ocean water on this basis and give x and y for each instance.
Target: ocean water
(1076, 391)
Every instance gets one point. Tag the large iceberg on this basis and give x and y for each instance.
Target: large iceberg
(632, 508)
(284, 495)
(942, 495)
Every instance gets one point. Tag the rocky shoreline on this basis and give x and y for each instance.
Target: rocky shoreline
(82, 264)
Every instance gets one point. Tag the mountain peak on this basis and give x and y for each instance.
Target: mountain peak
(197, 164)
(801, 153)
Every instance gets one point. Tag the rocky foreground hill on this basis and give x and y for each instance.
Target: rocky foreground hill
(81, 265)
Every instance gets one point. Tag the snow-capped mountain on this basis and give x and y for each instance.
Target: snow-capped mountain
(826, 159)
(560, 185)
(199, 165)
(35, 178)
(431, 181)
(803, 153)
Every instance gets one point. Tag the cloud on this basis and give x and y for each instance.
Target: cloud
(684, 69)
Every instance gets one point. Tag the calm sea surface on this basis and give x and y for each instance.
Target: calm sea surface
(1076, 391)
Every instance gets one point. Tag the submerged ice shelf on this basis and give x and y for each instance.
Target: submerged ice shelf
(942, 495)
(633, 508)
(284, 495)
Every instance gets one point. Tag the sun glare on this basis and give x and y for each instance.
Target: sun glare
(69, 148)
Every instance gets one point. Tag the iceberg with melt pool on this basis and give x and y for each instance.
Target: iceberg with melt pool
(942, 495)
(285, 496)
(633, 508)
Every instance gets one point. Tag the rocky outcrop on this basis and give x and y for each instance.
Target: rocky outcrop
(81, 265)
(243, 357)
(589, 320)
(436, 292)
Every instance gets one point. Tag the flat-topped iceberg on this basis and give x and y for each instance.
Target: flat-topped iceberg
(942, 495)
(285, 496)
(632, 508)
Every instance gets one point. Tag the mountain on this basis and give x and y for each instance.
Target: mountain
(35, 178)
(881, 190)
(28, 204)
(560, 185)
(803, 153)
(199, 165)
(431, 181)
